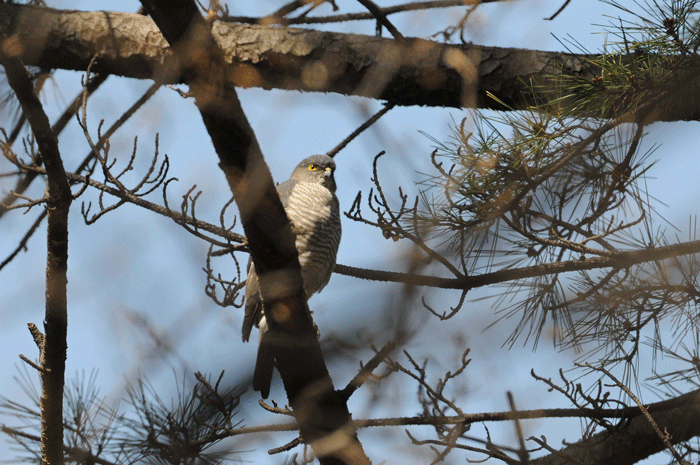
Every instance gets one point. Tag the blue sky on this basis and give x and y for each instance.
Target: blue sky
(132, 266)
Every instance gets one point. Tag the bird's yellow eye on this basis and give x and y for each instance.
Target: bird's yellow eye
(313, 167)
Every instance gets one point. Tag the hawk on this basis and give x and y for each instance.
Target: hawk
(309, 199)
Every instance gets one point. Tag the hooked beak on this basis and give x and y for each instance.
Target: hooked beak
(328, 179)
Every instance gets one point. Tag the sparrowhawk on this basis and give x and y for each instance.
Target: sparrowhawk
(309, 199)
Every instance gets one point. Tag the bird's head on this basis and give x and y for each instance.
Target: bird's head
(318, 169)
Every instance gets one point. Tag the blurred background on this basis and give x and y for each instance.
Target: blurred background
(137, 306)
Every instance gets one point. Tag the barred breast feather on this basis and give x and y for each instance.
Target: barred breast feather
(315, 216)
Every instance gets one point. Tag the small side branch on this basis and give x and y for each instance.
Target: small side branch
(381, 19)
(366, 371)
(23, 242)
(333, 152)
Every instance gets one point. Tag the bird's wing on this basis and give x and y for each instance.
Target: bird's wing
(285, 191)
(253, 302)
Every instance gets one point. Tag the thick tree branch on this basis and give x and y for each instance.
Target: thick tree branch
(416, 72)
(405, 72)
(53, 350)
(638, 440)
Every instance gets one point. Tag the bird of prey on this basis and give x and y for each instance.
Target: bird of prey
(309, 199)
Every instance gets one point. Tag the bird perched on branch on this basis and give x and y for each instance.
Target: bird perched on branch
(309, 199)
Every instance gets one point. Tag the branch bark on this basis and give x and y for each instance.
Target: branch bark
(53, 346)
(406, 72)
(415, 72)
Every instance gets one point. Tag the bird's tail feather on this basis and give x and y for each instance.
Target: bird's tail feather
(265, 363)
(253, 311)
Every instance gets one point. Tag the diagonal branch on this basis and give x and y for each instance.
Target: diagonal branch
(270, 236)
(381, 18)
(25, 239)
(373, 119)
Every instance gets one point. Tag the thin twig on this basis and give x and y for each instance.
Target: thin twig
(558, 11)
(412, 6)
(31, 364)
(24, 182)
(366, 371)
(381, 19)
(25, 239)
(333, 152)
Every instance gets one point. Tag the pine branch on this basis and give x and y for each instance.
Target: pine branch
(617, 260)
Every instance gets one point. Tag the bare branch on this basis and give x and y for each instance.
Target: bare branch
(366, 371)
(381, 19)
(53, 353)
(386, 11)
(25, 239)
(23, 183)
(561, 8)
(334, 151)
